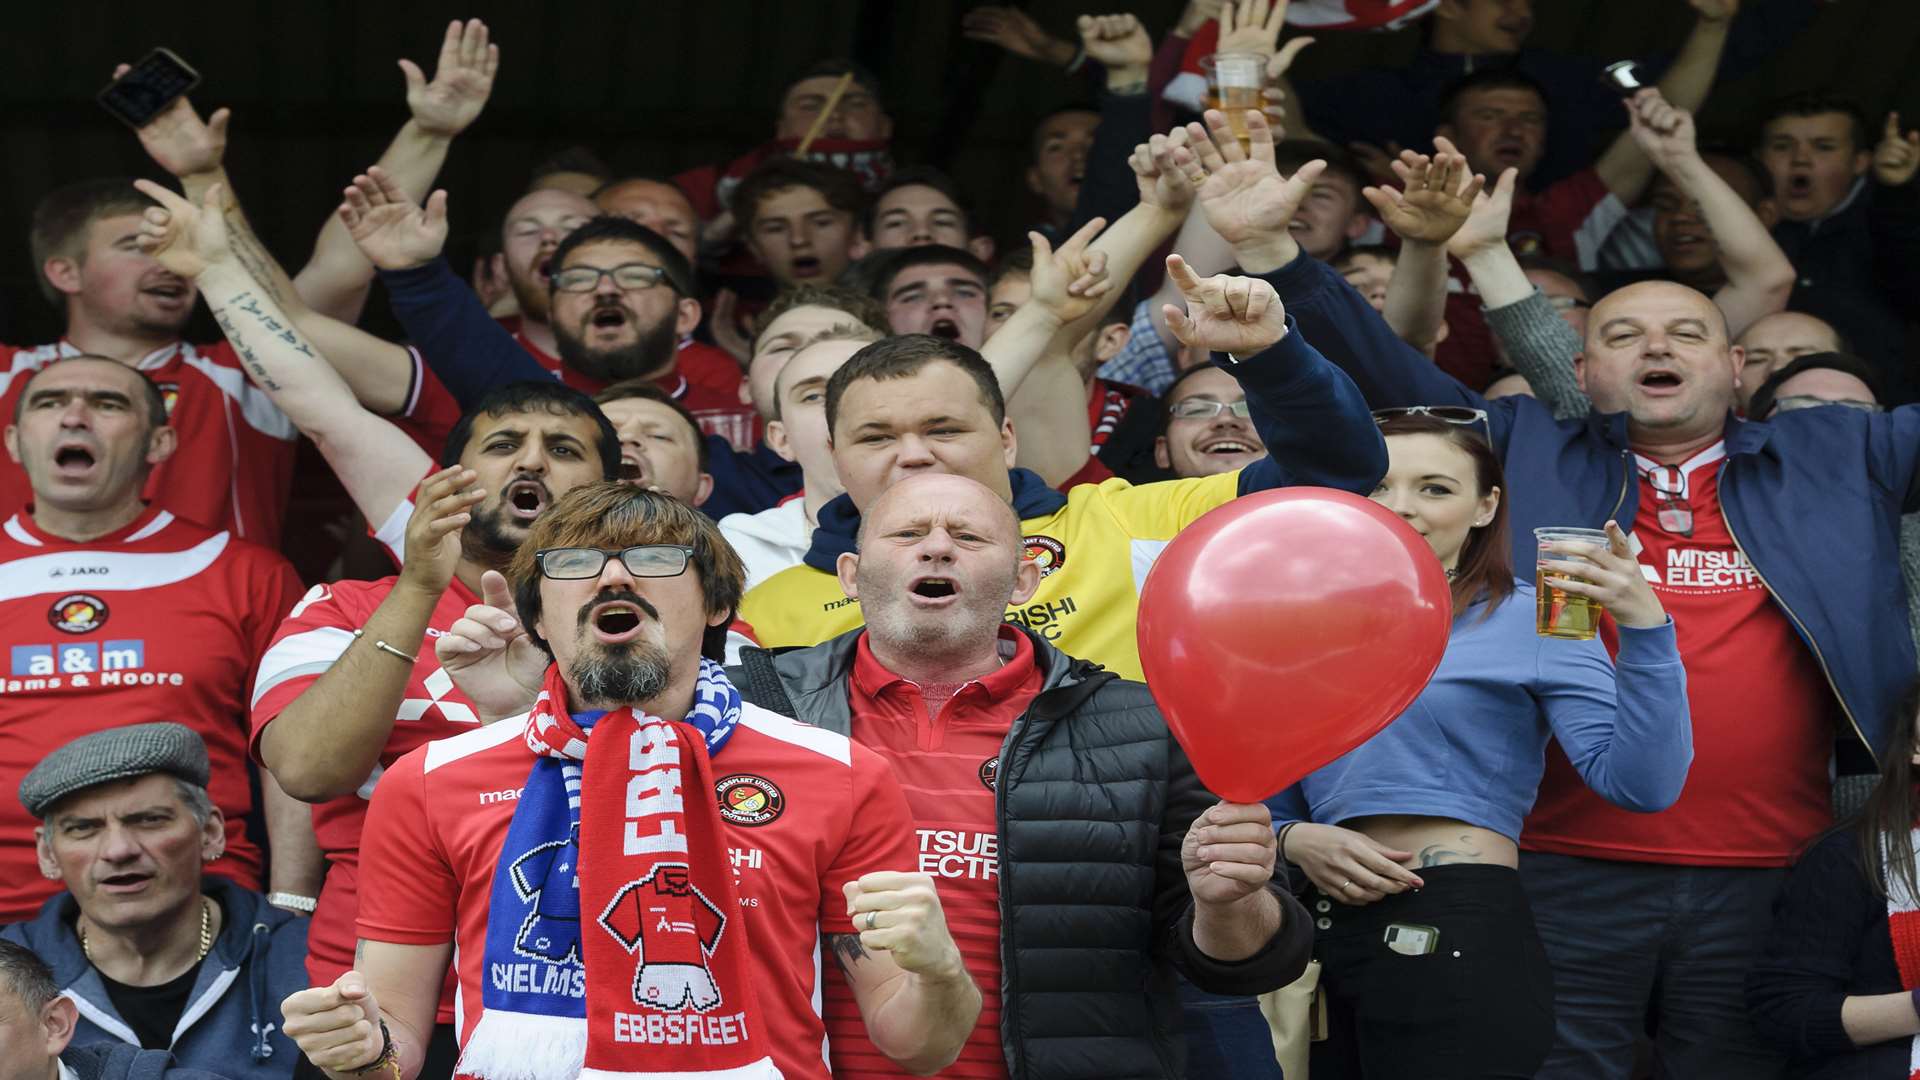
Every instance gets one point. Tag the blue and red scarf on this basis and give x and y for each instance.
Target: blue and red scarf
(615, 945)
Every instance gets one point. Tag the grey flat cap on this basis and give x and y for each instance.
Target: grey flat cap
(115, 754)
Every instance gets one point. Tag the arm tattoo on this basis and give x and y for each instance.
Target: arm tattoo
(1441, 854)
(239, 317)
(847, 950)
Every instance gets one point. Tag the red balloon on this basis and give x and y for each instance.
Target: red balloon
(1286, 628)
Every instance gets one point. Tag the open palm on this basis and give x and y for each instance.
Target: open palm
(391, 230)
(1244, 200)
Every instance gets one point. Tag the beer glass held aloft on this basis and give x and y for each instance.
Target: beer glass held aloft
(1236, 83)
(1583, 572)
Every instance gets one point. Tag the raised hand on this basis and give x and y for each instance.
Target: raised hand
(1609, 575)
(1663, 131)
(462, 80)
(1897, 156)
(441, 508)
(1160, 168)
(1015, 31)
(1243, 195)
(1069, 282)
(391, 230)
(182, 237)
(1251, 26)
(1229, 852)
(1438, 196)
(1486, 224)
(1350, 866)
(1116, 41)
(182, 143)
(1225, 313)
(489, 656)
(337, 1027)
(899, 913)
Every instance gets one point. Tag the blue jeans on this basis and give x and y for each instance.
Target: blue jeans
(1639, 946)
(1227, 1037)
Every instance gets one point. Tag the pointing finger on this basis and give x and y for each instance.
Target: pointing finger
(1183, 276)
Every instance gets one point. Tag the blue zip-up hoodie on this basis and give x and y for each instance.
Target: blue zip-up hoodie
(1473, 745)
(231, 1025)
(1813, 496)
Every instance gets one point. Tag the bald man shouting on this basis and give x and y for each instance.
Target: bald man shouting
(960, 699)
(1775, 546)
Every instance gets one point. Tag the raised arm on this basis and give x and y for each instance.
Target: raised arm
(327, 741)
(1759, 277)
(1434, 199)
(380, 373)
(1051, 409)
(456, 335)
(334, 282)
(1689, 79)
(376, 462)
(1538, 342)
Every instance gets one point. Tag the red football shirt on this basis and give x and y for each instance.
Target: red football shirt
(827, 811)
(705, 380)
(314, 635)
(1763, 716)
(234, 464)
(159, 620)
(948, 763)
(1569, 221)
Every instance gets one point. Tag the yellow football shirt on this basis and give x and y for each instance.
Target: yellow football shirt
(1094, 554)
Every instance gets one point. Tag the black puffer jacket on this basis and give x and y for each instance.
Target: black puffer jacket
(1093, 800)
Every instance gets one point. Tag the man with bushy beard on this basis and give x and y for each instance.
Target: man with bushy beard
(619, 297)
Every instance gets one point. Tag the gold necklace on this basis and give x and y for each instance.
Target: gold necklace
(206, 933)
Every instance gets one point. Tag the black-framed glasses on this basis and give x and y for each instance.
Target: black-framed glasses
(1670, 498)
(641, 560)
(585, 279)
(1196, 408)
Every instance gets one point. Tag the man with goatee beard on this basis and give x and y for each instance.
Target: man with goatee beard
(595, 916)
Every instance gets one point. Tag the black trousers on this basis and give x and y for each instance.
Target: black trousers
(1444, 983)
(443, 1052)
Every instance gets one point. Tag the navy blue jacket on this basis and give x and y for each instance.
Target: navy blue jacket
(259, 958)
(1813, 497)
(471, 353)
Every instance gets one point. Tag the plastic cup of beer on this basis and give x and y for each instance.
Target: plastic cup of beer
(1235, 84)
(1559, 613)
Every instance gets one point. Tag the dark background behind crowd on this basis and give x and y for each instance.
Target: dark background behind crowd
(316, 95)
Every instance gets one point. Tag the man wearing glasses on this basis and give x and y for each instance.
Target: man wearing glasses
(651, 900)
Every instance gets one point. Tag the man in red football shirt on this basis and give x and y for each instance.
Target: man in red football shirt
(991, 731)
(818, 832)
(117, 612)
(236, 451)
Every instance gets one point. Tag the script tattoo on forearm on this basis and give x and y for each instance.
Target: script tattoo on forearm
(251, 254)
(1441, 854)
(240, 318)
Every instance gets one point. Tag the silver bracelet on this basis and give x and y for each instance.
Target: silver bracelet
(384, 647)
(294, 901)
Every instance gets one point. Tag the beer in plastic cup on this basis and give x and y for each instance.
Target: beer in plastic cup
(1235, 82)
(1558, 613)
